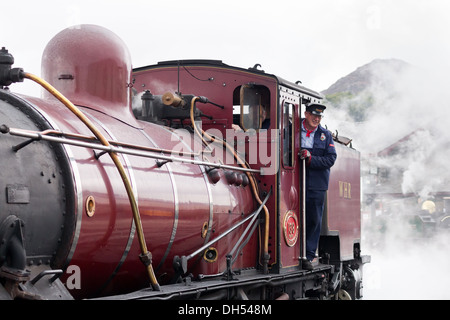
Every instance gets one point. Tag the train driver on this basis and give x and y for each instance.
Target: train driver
(317, 148)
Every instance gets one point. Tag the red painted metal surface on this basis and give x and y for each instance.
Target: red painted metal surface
(260, 149)
(91, 66)
(343, 212)
(175, 201)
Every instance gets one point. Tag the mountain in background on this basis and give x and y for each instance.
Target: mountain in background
(357, 92)
(364, 76)
(397, 115)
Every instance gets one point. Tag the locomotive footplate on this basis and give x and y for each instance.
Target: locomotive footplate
(218, 288)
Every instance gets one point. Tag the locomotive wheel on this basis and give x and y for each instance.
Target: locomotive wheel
(352, 283)
(344, 295)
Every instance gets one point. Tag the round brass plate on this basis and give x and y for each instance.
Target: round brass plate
(90, 206)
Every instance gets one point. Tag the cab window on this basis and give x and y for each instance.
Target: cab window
(288, 137)
(251, 107)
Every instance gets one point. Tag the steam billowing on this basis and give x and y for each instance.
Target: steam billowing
(404, 133)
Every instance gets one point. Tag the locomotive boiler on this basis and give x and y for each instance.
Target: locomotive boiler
(159, 182)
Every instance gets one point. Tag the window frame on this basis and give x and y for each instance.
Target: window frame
(288, 158)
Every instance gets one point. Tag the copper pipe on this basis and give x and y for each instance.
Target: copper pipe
(250, 176)
(145, 256)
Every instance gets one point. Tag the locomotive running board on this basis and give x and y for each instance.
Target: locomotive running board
(216, 289)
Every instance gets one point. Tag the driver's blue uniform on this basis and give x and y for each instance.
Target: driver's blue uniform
(323, 156)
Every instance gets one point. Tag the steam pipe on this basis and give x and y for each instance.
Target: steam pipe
(238, 246)
(145, 255)
(266, 256)
(35, 135)
(122, 144)
(223, 234)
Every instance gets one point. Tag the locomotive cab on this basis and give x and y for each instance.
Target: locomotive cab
(260, 117)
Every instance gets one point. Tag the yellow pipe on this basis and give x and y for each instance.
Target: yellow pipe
(118, 164)
(249, 175)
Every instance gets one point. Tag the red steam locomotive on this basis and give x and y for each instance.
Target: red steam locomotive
(160, 183)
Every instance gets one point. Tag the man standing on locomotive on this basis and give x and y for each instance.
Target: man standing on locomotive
(320, 154)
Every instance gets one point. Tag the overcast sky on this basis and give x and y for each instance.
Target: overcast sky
(316, 42)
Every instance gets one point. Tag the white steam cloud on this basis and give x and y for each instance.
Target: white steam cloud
(409, 120)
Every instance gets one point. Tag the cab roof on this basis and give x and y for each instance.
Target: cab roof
(219, 63)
